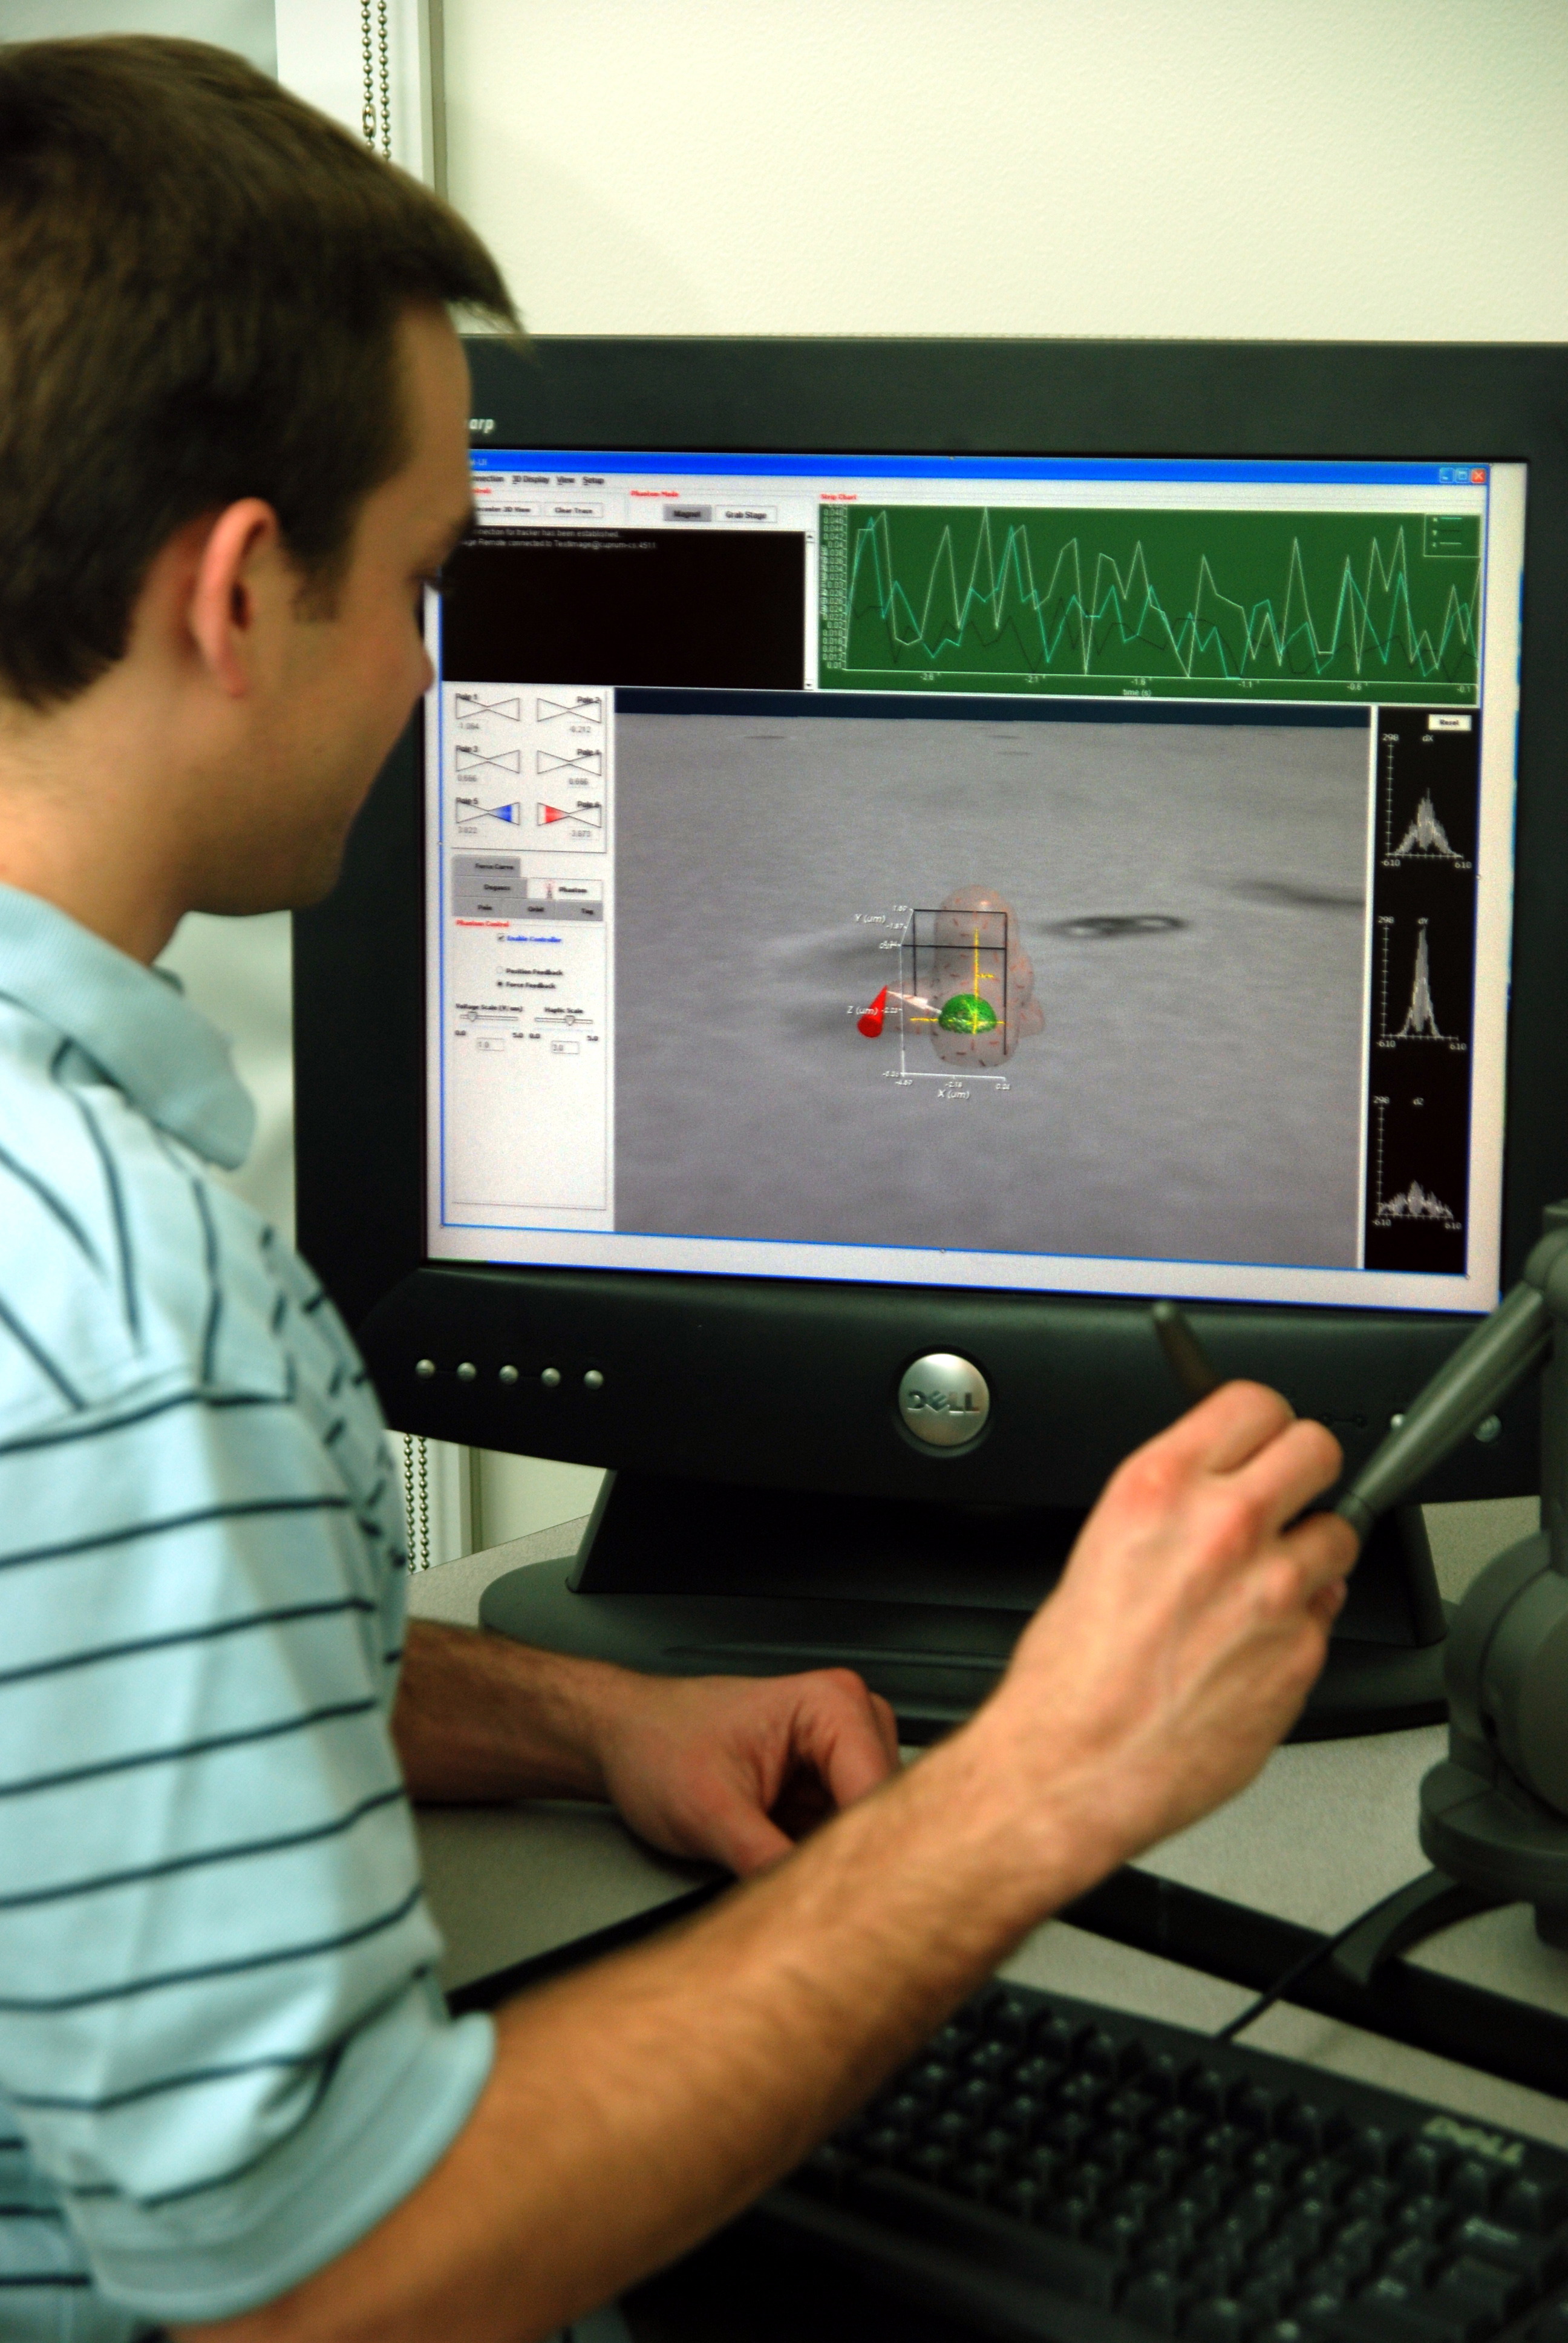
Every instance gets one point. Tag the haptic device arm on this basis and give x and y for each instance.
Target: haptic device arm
(1494, 1812)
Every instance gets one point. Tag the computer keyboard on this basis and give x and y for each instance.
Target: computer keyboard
(1045, 2167)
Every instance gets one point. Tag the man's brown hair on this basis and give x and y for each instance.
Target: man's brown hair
(201, 280)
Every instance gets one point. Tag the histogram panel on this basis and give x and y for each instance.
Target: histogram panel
(1213, 604)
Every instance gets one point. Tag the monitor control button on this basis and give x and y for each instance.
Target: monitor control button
(508, 1374)
(944, 1399)
(467, 1372)
(593, 1380)
(424, 1366)
(550, 1378)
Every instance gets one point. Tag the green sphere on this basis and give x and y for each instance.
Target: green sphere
(965, 1012)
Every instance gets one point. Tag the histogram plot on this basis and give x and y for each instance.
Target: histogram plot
(1417, 1183)
(1213, 604)
(1413, 1008)
(1421, 1018)
(1425, 838)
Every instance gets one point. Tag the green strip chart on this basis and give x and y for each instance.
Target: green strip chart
(1197, 604)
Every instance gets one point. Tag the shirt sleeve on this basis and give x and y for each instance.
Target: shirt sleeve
(220, 2030)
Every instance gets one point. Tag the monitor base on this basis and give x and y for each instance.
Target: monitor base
(926, 1601)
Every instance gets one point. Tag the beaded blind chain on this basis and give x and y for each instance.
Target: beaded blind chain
(376, 119)
(416, 1499)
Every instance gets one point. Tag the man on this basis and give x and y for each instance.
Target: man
(232, 455)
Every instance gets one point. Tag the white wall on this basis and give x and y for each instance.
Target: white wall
(246, 25)
(1349, 168)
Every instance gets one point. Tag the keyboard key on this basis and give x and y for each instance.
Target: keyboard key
(975, 2097)
(1160, 2076)
(1038, 2074)
(1498, 2292)
(1208, 2089)
(1392, 2313)
(1470, 2187)
(1373, 2149)
(1156, 2301)
(1371, 2199)
(825, 2173)
(1222, 2319)
(1539, 2259)
(1099, 2053)
(1010, 2017)
(1422, 2217)
(1531, 2204)
(1259, 2109)
(1069, 2216)
(1308, 2124)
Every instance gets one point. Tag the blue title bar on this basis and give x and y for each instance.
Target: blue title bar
(688, 463)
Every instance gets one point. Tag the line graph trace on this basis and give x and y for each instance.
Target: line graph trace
(1218, 603)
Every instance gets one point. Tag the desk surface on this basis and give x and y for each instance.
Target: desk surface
(1327, 1829)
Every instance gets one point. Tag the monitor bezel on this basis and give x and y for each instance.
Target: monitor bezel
(359, 988)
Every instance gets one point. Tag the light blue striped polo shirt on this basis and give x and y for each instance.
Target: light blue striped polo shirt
(223, 2053)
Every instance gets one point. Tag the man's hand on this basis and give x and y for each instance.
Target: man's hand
(737, 1769)
(1189, 1626)
(728, 1769)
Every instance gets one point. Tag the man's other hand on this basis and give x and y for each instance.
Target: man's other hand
(736, 1769)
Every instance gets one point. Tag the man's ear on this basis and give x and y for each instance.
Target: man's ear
(242, 577)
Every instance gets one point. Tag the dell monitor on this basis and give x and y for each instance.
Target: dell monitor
(913, 853)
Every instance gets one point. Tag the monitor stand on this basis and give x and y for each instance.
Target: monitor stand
(925, 1600)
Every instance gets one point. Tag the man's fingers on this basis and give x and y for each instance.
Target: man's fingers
(1223, 1431)
(847, 1733)
(1324, 1548)
(1294, 1468)
(742, 1836)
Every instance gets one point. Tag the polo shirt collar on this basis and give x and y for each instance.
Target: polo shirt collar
(152, 1044)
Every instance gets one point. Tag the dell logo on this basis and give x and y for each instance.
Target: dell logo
(943, 1400)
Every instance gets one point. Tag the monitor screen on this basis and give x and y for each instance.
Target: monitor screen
(1076, 876)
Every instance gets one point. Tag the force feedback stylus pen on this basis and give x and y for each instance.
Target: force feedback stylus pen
(1488, 1364)
(1184, 1353)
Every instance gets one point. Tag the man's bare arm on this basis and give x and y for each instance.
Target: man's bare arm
(634, 2106)
(728, 1769)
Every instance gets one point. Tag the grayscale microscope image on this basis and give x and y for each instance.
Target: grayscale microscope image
(1192, 897)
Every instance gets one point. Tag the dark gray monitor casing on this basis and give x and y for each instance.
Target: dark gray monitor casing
(724, 1386)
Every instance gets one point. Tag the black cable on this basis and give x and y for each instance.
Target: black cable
(1308, 1962)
